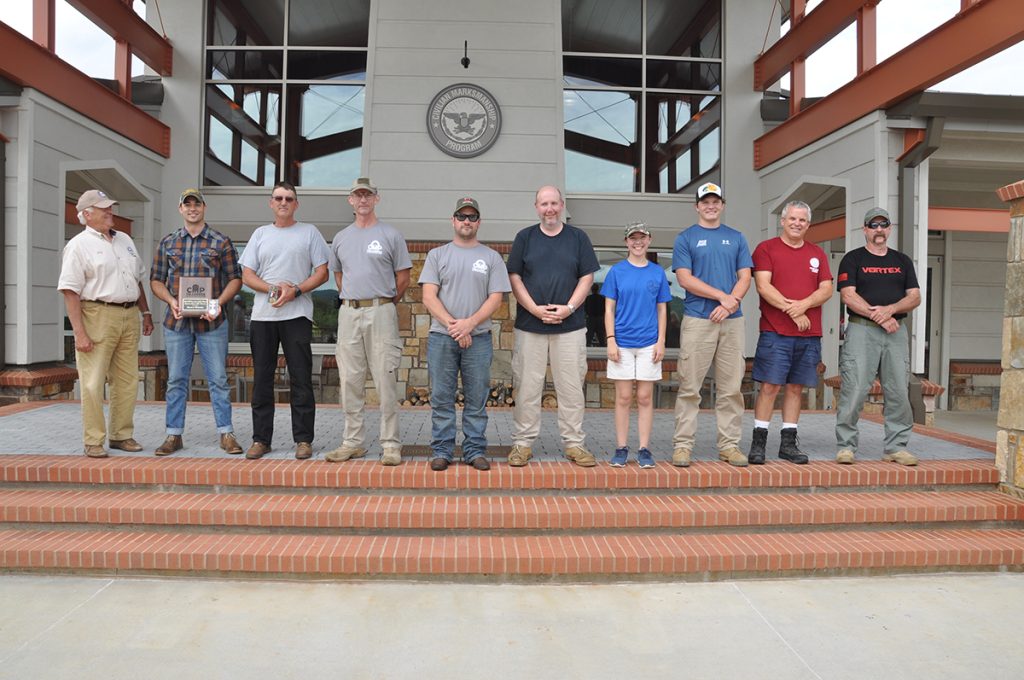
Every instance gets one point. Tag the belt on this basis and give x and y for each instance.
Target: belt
(369, 302)
(124, 305)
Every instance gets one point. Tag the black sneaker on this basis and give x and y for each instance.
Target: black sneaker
(756, 455)
(789, 448)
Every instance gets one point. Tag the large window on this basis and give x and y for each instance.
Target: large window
(285, 82)
(642, 94)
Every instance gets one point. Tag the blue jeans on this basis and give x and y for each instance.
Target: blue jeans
(445, 360)
(213, 352)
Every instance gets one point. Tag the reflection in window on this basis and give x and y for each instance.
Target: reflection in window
(307, 128)
(635, 123)
(594, 304)
(325, 311)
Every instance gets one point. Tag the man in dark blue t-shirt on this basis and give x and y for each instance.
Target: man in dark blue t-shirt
(551, 268)
(879, 287)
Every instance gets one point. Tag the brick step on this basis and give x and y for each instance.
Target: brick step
(368, 513)
(621, 555)
(538, 476)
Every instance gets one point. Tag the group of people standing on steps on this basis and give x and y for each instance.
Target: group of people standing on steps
(550, 272)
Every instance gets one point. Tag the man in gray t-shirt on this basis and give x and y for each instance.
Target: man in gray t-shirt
(282, 263)
(371, 265)
(463, 284)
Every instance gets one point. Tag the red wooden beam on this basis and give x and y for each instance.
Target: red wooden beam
(122, 23)
(43, 23)
(911, 138)
(29, 65)
(867, 43)
(824, 23)
(827, 230)
(987, 27)
(123, 69)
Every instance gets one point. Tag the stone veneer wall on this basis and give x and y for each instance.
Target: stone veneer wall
(974, 385)
(1010, 436)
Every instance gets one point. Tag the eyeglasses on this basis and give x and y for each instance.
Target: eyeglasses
(286, 199)
(363, 196)
(878, 225)
(466, 217)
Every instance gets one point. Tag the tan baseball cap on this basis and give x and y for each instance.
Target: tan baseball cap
(94, 198)
(363, 183)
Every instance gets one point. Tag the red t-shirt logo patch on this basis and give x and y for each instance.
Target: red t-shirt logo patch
(843, 277)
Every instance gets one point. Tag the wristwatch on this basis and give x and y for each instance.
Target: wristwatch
(298, 291)
(572, 310)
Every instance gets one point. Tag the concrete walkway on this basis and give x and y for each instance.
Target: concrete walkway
(938, 627)
(55, 428)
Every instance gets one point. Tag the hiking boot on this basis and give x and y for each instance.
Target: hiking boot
(845, 457)
(789, 448)
(96, 451)
(734, 457)
(580, 456)
(902, 457)
(303, 450)
(257, 450)
(620, 457)
(343, 453)
(644, 457)
(126, 445)
(439, 464)
(480, 463)
(756, 455)
(392, 455)
(519, 455)
(229, 444)
(681, 457)
(171, 444)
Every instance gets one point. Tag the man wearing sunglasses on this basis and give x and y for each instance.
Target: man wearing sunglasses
(283, 262)
(879, 287)
(371, 266)
(463, 284)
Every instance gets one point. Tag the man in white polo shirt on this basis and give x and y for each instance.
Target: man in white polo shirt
(101, 278)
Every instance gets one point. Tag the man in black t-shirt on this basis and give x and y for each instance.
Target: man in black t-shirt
(879, 287)
(551, 268)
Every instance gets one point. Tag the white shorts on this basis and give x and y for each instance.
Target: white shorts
(635, 363)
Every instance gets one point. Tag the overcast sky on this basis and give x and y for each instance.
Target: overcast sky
(900, 22)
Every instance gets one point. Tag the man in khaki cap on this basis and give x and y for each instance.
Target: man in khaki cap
(101, 279)
(371, 267)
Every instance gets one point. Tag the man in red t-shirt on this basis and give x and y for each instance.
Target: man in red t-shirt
(793, 279)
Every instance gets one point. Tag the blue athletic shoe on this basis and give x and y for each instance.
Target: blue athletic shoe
(620, 457)
(644, 458)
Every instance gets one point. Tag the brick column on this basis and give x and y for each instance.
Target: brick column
(1010, 437)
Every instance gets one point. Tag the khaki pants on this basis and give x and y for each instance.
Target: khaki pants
(114, 359)
(701, 344)
(568, 355)
(368, 341)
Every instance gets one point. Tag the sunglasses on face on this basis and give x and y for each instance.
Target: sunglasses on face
(286, 199)
(466, 217)
(877, 225)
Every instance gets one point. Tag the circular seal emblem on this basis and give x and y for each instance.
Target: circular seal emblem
(464, 120)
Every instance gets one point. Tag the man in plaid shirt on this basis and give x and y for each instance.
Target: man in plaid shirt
(196, 250)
